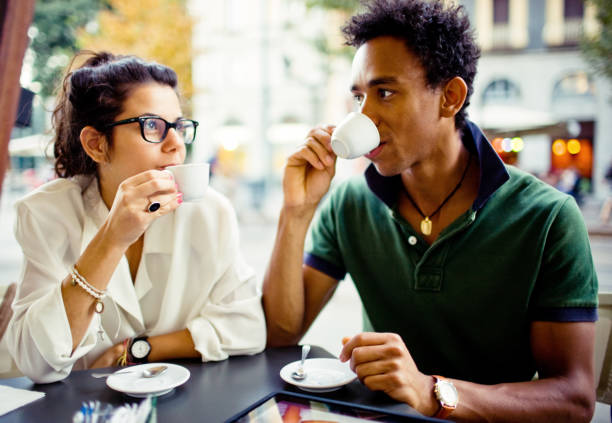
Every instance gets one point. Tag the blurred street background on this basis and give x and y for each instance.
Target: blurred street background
(257, 74)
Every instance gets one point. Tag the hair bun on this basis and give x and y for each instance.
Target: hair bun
(99, 58)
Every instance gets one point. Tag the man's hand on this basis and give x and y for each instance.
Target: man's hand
(309, 170)
(382, 363)
(109, 357)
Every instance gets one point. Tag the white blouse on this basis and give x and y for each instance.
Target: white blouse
(191, 275)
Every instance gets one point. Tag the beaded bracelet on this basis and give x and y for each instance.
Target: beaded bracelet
(78, 279)
(90, 289)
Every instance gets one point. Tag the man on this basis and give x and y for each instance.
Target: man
(466, 268)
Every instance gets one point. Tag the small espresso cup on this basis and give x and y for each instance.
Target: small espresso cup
(355, 136)
(192, 179)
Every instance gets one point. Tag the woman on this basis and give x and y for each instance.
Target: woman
(117, 269)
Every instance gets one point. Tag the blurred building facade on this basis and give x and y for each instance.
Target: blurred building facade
(261, 82)
(534, 94)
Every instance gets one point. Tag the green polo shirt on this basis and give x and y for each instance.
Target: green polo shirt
(464, 304)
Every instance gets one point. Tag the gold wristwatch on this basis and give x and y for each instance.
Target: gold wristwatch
(447, 396)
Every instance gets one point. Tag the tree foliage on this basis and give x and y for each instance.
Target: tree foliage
(342, 5)
(598, 49)
(158, 30)
(54, 37)
(343, 9)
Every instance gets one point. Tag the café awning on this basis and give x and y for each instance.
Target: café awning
(504, 120)
(37, 145)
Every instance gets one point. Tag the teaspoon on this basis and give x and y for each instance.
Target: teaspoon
(146, 373)
(300, 374)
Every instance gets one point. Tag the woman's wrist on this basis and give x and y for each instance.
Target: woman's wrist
(110, 241)
(98, 261)
(122, 358)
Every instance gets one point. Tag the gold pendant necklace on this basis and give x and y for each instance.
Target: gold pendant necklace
(426, 224)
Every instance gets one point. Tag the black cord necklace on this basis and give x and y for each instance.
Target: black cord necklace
(426, 224)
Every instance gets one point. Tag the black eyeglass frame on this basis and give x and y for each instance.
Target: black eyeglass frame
(169, 125)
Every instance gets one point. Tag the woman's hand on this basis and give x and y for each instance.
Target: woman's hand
(309, 170)
(109, 357)
(129, 216)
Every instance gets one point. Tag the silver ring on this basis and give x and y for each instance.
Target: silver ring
(153, 207)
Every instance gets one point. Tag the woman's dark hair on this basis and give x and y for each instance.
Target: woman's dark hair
(439, 36)
(93, 95)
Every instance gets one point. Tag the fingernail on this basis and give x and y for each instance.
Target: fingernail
(176, 186)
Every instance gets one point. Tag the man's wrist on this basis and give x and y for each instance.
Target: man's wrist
(428, 404)
(300, 213)
(295, 221)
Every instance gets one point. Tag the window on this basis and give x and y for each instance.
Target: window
(501, 91)
(501, 35)
(573, 9)
(577, 84)
(500, 12)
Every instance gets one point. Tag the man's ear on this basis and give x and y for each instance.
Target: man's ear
(95, 145)
(453, 97)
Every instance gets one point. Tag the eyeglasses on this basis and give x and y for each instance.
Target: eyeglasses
(154, 129)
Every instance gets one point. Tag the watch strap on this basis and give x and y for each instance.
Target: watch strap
(444, 412)
(445, 409)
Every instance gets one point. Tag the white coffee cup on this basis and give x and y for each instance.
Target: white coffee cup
(192, 179)
(355, 136)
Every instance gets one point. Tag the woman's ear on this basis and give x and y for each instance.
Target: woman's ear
(95, 145)
(453, 97)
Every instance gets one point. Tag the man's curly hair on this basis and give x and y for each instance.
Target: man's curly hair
(440, 36)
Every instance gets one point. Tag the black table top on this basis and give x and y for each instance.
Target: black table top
(215, 391)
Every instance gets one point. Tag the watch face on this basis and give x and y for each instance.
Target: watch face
(140, 349)
(447, 393)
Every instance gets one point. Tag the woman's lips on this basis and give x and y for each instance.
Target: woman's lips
(375, 152)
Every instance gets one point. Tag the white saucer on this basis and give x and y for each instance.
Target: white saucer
(154, 394)
(135, 385)
(322, 374)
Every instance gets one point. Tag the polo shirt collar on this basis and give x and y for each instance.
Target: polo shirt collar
(493, 173)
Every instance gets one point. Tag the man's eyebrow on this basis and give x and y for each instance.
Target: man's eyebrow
(378, 81)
